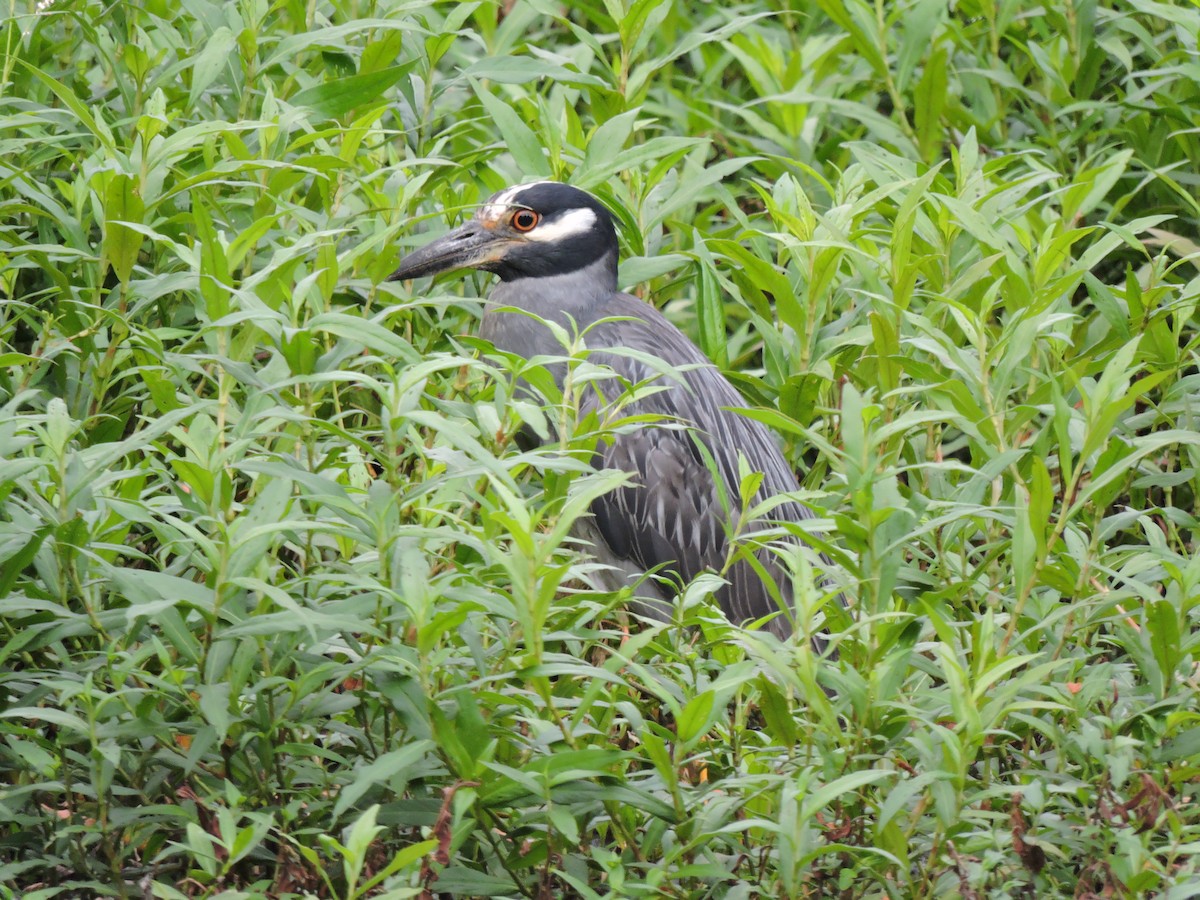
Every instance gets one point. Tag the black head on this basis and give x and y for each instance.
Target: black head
(528, 231)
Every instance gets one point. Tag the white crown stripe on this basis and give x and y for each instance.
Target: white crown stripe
(506, 199)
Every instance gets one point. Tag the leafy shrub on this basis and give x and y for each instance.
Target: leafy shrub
(288, 611)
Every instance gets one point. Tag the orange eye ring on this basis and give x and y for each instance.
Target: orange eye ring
(525, 220)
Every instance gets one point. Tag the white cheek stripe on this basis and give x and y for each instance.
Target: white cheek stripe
(577, 221)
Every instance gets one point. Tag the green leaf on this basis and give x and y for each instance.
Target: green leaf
(51, 716)
(214, 56)
(520, 139)
(710, 309)
(697, 717)
(523, 70)
(387, 766)
(335, 98)
(816, 800)
(122, 206)
(929, 104)
(1162, 623)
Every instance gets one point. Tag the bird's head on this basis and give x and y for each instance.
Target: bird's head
(528, 231)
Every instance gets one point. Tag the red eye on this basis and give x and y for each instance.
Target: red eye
(525, 220)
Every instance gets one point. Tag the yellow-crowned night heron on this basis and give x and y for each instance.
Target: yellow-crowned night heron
(555, 250)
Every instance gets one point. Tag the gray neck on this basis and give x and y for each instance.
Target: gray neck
(582, 295)
(573, 301)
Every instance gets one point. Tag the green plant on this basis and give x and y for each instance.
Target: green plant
(288, 609)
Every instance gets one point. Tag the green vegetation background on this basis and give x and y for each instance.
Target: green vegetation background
(284, 611)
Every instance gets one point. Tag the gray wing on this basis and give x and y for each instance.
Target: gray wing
(672, 518)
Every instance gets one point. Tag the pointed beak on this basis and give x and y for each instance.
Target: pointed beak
(470, 246)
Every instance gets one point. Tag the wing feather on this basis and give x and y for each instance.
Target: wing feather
(677, 516)
(672, 518)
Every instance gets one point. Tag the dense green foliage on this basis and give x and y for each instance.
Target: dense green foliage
(285, 611)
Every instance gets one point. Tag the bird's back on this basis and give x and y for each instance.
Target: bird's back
(676, 518)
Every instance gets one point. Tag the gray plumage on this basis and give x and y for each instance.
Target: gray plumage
(671, 519)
